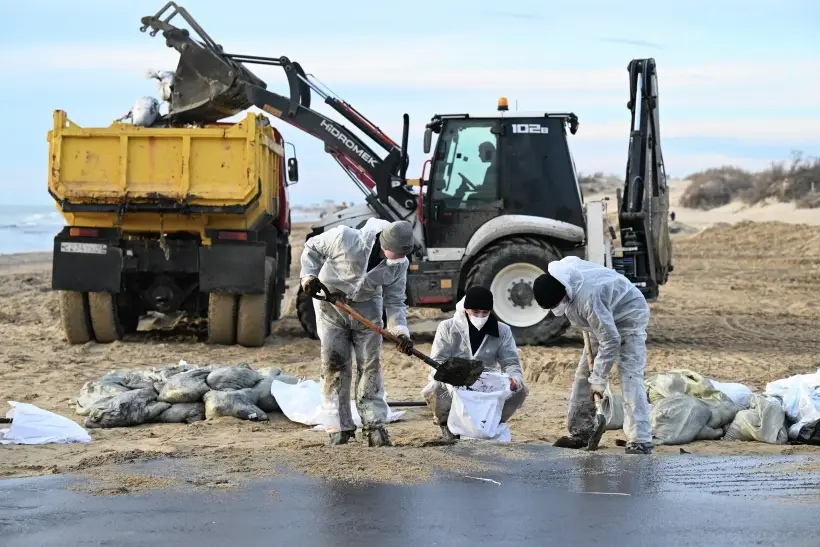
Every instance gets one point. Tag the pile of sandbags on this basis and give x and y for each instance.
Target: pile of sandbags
(177, 394)
(687, 407)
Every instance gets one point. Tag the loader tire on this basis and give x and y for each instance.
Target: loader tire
(253, 315)
(222, 318)
(306, 314)
(75, 317)
(105, 319)
(508, 268)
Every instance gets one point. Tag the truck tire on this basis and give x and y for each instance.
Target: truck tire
(508, 268)
(253, 315)
(222, 318)
(306, 314)
(105, 319)
(75, 317)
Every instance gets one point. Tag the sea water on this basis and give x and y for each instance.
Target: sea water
(31, 228)
(28, 228)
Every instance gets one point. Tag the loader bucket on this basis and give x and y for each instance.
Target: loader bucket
(206, 88)
(208, 84)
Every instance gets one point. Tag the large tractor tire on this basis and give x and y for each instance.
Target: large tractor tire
(75, 317)
(253, 314)
(508, 268)
(105, 317)
(306, 314)
(222, 318)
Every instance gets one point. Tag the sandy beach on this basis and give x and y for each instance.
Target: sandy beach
(740, 306)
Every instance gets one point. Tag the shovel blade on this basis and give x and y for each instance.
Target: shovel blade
(598, 432)
(459, 372)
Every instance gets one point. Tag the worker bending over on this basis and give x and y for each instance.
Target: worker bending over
(474, 333)
(615, 314)
(368, 267)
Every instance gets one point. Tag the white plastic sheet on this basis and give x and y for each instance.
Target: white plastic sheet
(33, 425)
(799, 396)
(476, 411)
(302, 403)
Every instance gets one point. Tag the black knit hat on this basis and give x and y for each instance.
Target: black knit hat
(548, 291)
(478, 298)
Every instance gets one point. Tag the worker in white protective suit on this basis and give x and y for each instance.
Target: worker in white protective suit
(615, 314)
(474, 333)
(368, 267)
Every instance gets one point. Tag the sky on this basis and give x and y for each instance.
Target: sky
(738, 79)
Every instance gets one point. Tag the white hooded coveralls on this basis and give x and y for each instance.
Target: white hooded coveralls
(615, 314)
(497, 354)
(339, 258)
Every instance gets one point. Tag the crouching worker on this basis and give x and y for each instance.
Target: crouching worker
(615, 314)
(368, 267)
(474, 333)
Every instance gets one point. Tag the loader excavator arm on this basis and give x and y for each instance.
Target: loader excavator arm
(210, 85)
(644, 210)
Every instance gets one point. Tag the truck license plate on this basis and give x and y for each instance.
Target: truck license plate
(84, 248)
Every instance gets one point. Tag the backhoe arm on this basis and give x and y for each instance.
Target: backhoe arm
(211, 85)
(643, 212)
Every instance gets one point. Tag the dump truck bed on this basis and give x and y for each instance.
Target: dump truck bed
(218, 168)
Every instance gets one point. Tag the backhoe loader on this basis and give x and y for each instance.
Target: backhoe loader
(496, 202)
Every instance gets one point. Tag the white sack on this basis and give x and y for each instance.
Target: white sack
(145, 112)
(476, 411)
(302, 403)
(33, 425)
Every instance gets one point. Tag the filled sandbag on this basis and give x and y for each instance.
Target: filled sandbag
(264, 398)
(740, 394)
(612, 406)
(238, 404)
(233, 378)
(679, 381)
(162, 374)
(723, 412)
(128, 379)
(185, 387)
(678, 419)
(134, 407)
(765, 422)
(183, 413)
(93, 392)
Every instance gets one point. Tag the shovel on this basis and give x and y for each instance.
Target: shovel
(600, 418)
(455, 371)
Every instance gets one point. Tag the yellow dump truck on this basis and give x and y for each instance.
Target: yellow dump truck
(192, 219)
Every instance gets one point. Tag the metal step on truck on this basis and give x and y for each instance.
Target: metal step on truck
(170, 218)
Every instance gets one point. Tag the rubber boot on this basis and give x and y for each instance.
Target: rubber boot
(341, 437)
(448, 435)
(638, 448)
(376, 437)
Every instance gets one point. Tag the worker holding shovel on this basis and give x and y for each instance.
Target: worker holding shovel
(366, 271)
(615, 315)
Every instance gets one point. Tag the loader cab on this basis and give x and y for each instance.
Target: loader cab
(504, 163)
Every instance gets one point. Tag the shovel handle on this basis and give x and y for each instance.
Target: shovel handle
(596, 397)
(330, 297)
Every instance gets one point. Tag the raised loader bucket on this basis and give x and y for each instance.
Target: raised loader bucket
(208, 85)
